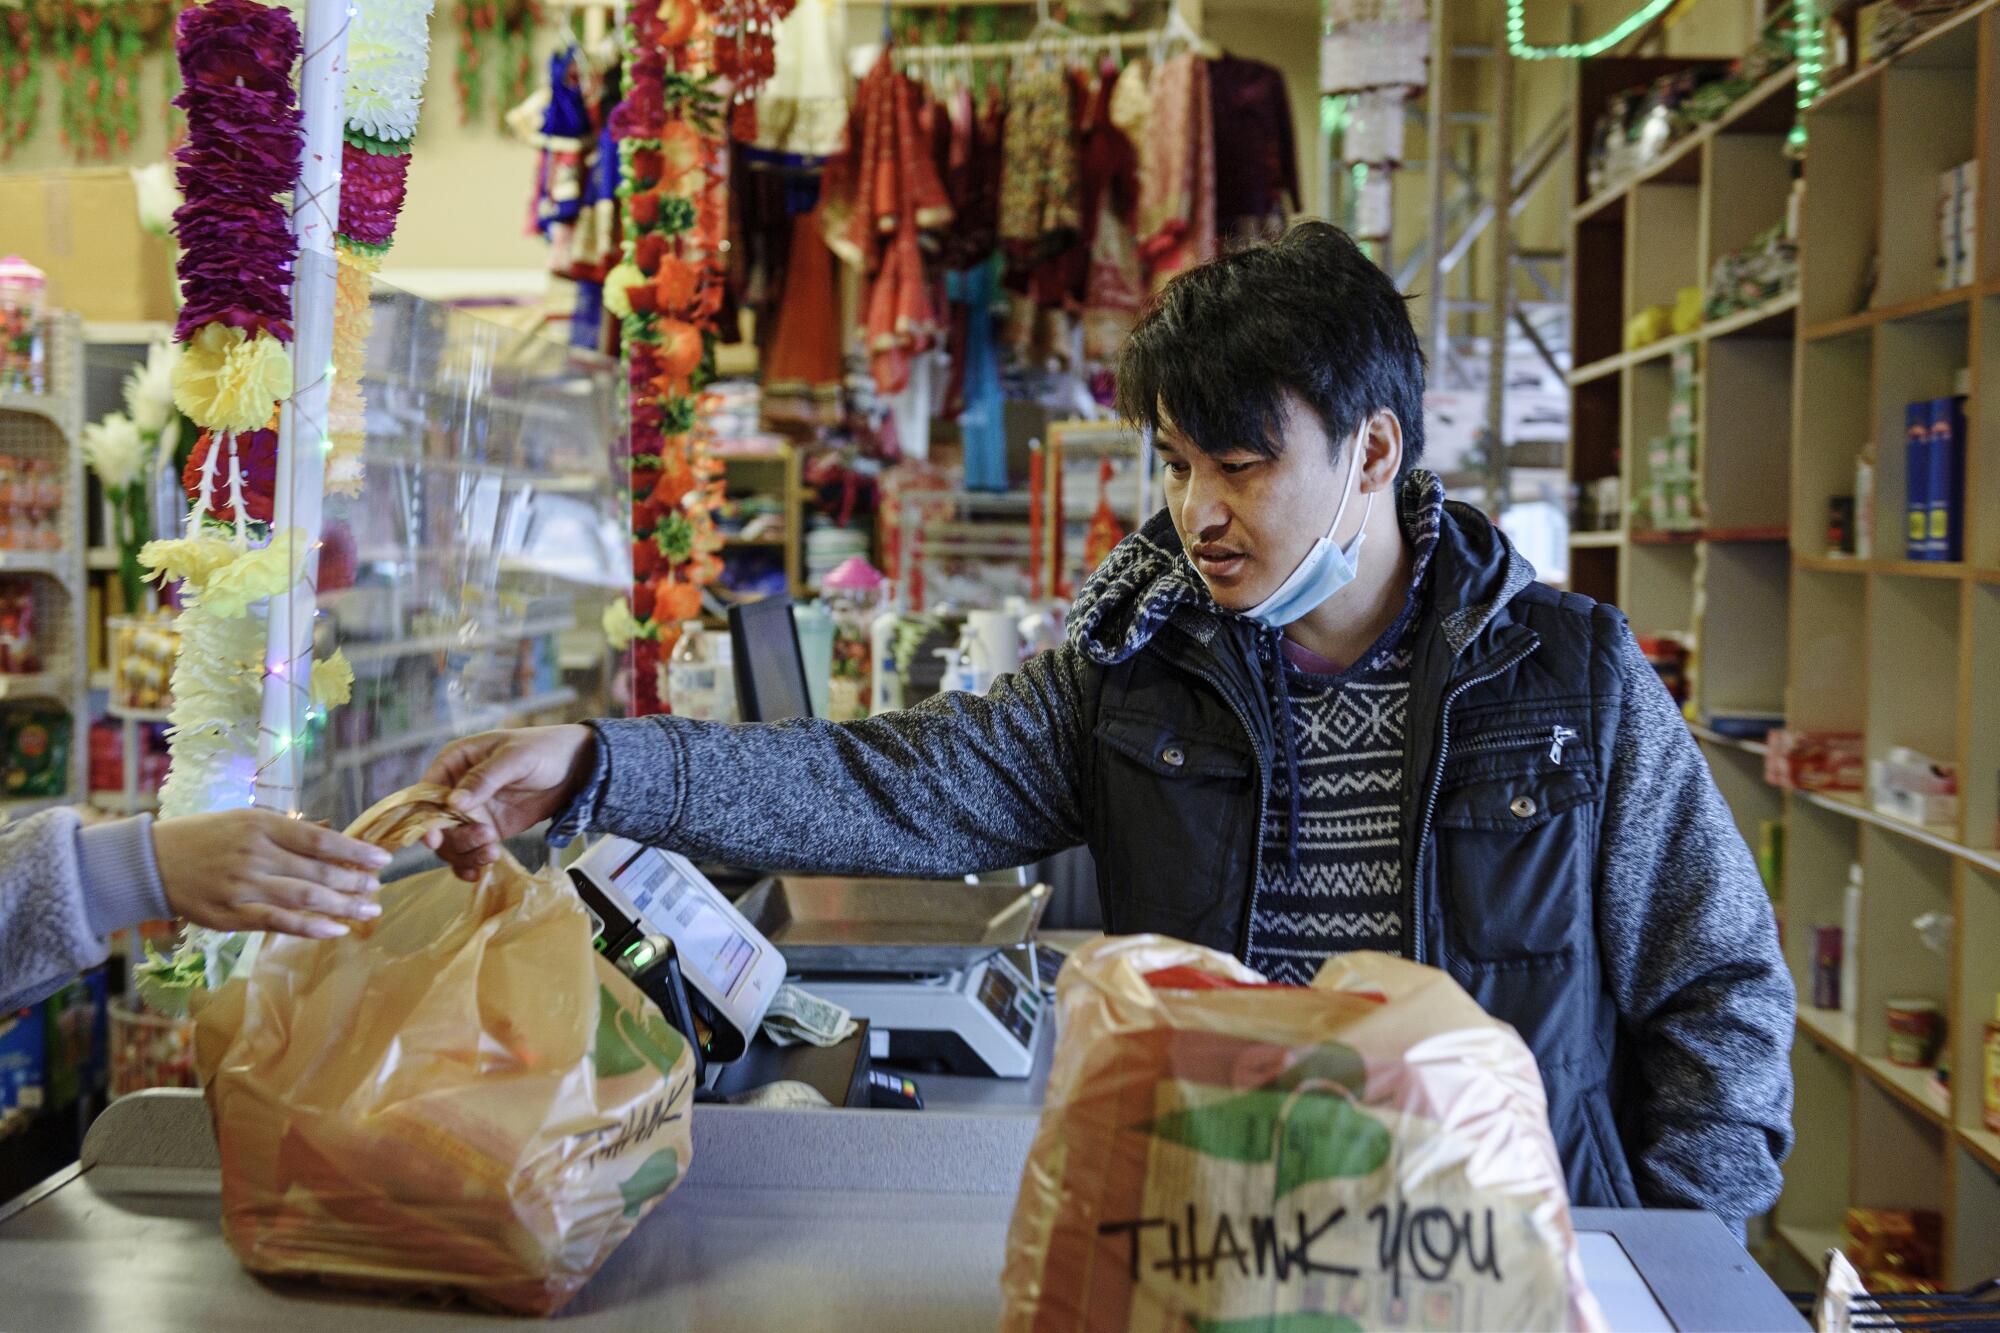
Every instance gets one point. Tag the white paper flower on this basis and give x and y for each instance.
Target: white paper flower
(149, 389)
(115, 450)
(388, 54)
(158, 198)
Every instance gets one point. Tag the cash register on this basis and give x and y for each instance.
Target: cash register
(945, 973)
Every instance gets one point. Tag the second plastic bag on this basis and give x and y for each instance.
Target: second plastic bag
(464, 1096)
(1221, 1156)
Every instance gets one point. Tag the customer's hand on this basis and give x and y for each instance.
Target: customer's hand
(507, 781)
(258, 870)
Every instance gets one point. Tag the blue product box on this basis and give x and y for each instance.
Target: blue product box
(1917, 483)
(1945, 535)
(23, 1067)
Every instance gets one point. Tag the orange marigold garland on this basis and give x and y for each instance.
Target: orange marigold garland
(689, 59)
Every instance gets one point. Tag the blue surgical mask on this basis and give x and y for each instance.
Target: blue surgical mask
(1326, 568)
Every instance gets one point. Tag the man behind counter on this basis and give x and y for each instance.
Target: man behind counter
(1290, 721)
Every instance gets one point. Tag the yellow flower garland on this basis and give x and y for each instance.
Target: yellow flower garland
(224, 381)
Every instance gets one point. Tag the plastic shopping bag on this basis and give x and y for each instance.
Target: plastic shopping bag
(461, 1096)
(1221, 1156)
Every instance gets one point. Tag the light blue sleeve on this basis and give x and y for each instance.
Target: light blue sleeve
(63, 890)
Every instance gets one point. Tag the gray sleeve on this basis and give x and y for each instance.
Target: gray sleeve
(1691, 952)
(63, 889)
(958, 784)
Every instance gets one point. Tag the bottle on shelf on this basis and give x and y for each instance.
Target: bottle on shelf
(885, 685)
(700, 679)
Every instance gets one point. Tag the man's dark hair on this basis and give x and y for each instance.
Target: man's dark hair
(1309, 313)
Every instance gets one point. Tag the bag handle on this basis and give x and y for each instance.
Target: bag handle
(397, 820)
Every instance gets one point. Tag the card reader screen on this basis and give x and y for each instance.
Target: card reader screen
(676, 906)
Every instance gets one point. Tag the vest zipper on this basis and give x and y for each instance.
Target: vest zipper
(1505, 665)
(1528, 738)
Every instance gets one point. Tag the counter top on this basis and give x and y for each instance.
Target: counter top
(806, 1221)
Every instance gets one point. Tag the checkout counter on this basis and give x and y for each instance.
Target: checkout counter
(789, 1221)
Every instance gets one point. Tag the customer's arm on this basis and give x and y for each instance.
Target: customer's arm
(1691, 951)
(64, 888)
(50, 927)
(958, 784)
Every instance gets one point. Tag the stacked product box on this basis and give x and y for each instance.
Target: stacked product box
(1934, 454)
(1958, 226)
(1671, 500)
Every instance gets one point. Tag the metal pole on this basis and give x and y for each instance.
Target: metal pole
(302, 422)
(1503, 277)
(1437, 130)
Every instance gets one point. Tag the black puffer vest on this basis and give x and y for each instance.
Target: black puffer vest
(1513, 706)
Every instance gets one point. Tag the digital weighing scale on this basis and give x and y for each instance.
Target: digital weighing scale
(944, 971)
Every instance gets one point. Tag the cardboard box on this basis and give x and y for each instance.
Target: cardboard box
(82, 229)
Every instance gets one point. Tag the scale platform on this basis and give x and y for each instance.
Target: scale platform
(944, 971)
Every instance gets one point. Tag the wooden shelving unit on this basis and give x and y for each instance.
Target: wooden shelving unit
(47, 427)
(774, 474)
(1722, 584)
(1904, 652)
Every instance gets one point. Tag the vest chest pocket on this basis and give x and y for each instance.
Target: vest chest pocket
(1177, 816)
(1516, 844)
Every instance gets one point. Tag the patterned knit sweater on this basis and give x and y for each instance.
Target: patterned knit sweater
(1345, 889)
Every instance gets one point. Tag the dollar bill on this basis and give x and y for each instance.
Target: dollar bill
(796, 1016)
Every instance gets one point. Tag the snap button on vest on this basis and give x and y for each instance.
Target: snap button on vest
(1523, 807)
(1173, 756)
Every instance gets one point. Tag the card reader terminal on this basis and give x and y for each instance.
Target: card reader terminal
(731, 970)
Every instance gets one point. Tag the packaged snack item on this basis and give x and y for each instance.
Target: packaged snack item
(1916, 1029)
(17, 628)
(37, 750)
(1815, 760)
(142, 661)
(1370, 1151)
(461, 1095)
(1895, 1249)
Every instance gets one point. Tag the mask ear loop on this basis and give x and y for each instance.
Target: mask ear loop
(1353, 471)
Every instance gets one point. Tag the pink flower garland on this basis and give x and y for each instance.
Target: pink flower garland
(371, 195)
(242, 151)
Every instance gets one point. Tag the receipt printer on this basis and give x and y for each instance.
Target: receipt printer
(731, 971)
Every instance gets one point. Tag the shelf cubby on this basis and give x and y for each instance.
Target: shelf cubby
(1739, 776)
(1899, 1153)
(1972, 1241)
(1817, 1172)
(1827, 687)
(1979, 771)
(1916, 360)
(1663, 250)
(1746, 415)
(1913, 647)
(1746, 593)
(1747, 179)
(1831, 426)
(1595, 412)
(1900, 881)
(1837, 231)
(1598, 324)
(1976, 939)
(1927, 127)
(1657, 589)
(1820, 845)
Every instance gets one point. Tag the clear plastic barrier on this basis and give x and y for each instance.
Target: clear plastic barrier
(466, 582)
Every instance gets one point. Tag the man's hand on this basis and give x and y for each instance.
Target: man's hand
(507, 781)
(258, 870)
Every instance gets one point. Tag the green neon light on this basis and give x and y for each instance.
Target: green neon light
(1517, 33)
(1809, 47)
